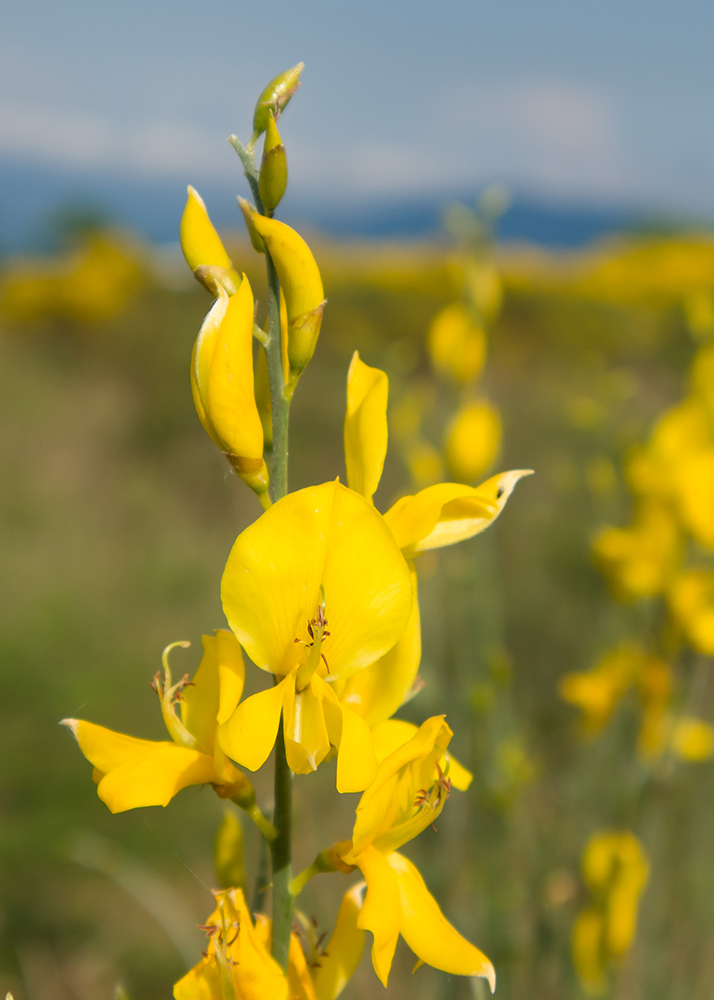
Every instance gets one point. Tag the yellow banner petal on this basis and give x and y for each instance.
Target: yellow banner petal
(365, 426)
(393, 733)
(381, 913)
(249, 735)
(427, 931)
(344, 949)
(322, 536)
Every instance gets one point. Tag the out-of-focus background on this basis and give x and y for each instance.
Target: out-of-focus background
(117, 513)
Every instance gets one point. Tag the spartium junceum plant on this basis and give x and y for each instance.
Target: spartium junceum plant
(321, 593)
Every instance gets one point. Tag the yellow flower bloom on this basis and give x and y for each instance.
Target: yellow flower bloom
(640, 560)
(407, 795)
(237, 962)
(693, 739)
(131, 772)
(457, 344)
(473, 441)
(691, 599)
(301, 284)
(222, 384)
(616, 871)
(203, 249)
(598, 691)
(315, 590)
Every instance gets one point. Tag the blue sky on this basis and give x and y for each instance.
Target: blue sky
(600, 102)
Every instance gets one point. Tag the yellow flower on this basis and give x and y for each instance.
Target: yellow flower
(222, 384)
(473, 441)
(640, 560)
(301, 284)
(131, 772)
(691, 599)
(457, 344)
(237, 964)
(203, 249)
(693, 739)
(407, 795)
(315, 590)
(616, 871)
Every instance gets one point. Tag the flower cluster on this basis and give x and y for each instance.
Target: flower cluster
(321, 593)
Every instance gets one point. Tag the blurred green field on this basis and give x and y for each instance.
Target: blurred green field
(117, 515)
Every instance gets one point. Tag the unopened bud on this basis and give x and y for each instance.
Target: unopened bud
(274, 98)
(223, 386)
(301, 284)
(255, 238)
(273, 168)
(203, 249)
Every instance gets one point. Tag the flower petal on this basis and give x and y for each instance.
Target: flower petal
(106, 749)
(394, 733)
(427, 931)
(365, 426)
(381, 912)
(202, 982)
(154, 779)
(448, 513)
(325, 535)
(306, 740)
(356, 760)
(249, 735)
(344, 949)
(376, 692)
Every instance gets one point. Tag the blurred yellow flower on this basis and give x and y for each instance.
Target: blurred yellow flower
(598, 691)
(639, 561)
(457, 343)
(691, 600)
(616, 872)
(91, 285)
(473, 441)
(693, 739)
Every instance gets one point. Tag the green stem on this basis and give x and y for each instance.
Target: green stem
(280, 405)
(281, 844)
(281, 851)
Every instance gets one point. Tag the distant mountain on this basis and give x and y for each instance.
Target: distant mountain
(36, 201)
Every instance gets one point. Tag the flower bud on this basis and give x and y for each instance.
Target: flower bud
(223, 386)
(255, 238)
(273, 168)
(203, 249)
(302, 286)
(274, 98)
